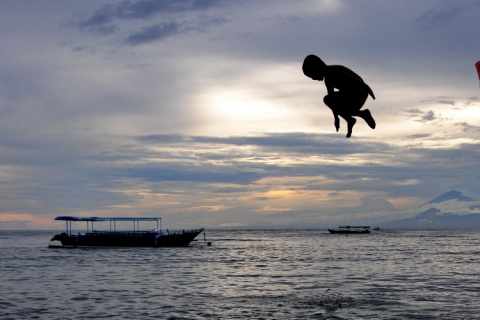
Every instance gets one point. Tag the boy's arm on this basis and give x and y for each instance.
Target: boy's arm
(345, 76)
(329, 85)
(342, 71)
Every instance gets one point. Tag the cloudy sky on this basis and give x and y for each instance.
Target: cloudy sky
(198, 111)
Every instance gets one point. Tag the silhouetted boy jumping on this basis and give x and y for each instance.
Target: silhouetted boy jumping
(351, 95)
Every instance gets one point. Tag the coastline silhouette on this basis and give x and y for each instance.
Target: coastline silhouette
(351, 94)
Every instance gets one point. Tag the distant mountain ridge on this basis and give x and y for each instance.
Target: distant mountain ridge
(451, 195)
(452, 209)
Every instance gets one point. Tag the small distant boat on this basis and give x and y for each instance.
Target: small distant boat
(113, 238)
(376, 229)
(350, 230)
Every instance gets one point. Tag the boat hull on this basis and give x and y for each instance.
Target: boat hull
(128, 239)
(333, 231)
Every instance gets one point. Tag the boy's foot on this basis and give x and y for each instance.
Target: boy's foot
(367, 116)
(351, 122)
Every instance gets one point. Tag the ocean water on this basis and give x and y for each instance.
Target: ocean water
(259, 274)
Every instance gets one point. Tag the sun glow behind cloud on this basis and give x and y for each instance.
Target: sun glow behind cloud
(236, 108)
(264, 99)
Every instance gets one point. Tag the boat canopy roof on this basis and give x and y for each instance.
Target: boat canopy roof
(71, 218)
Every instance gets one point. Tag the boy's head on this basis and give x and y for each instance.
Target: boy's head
(313, 67)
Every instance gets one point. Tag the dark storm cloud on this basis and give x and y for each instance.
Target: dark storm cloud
(205, 173)
(148, 8)
(443, 14)
(127, 10)
(429, 116)
(422, 116)
(418, 136)
(101, 22)
(152, 33)
(466, 127)
(106, 19)
(162, 31)
(439, 100)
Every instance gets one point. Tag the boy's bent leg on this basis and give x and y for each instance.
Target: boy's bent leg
(351, 122)
(367, 116)
(337, 121)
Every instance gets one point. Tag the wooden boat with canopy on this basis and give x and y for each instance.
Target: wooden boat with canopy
(115, 236)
